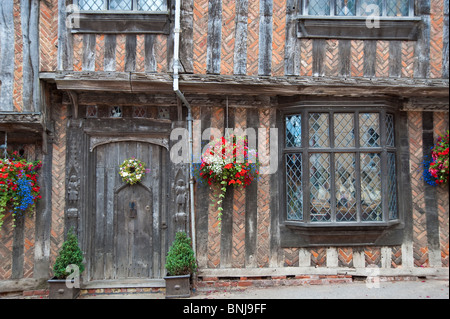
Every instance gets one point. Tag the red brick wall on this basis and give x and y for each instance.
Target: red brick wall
(440, 126)
(436, 41)
(48, 35)
(18, 58)
(60, 116)
(48, 42)
(23, 225)
(306, 51)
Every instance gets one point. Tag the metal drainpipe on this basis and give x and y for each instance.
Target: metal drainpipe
(176, 64)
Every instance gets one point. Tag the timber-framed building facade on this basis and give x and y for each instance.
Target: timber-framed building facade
(348, 97)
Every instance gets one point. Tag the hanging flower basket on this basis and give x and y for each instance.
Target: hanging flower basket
(19, 190)
(132, 171)
(438, 170)
(228, 162)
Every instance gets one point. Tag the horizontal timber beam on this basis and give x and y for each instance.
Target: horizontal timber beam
(251, 85)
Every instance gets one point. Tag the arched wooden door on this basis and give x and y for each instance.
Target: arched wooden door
(129, 222)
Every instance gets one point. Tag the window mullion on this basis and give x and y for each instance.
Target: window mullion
(383, 11)
(306, 178)
(332, 167)
(358, 7)
(384, 168)
(357, 168)
(411, 8)
(332, 8)
(333, 187)
(305, 7)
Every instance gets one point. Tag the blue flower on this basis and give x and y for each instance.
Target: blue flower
(24, 195)
(426, 175)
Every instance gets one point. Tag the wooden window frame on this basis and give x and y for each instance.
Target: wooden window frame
(355, 27)
(133, 7)
(309, 234)
(123, 21)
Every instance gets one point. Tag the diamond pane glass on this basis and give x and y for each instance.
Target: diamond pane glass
(392, 187)
(91, 111)
(369, 130)
(152, 5)
(163, 112)
(92, 5)
(370, 7)
(344, 130)
(320, 210)
(120, 4)
(294, 189)
(345, 187)
(371, 208)
(318, 130)
(390, 137)
(139, 112)
(397, 8)
(319, 7)
(294, 131)
(345, 7)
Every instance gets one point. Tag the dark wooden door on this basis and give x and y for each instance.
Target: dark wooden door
(129, 234)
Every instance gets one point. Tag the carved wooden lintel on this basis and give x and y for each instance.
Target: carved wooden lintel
(101, 140)
(426, 104)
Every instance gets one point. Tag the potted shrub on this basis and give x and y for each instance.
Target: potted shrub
(180, 264)
(67, 268)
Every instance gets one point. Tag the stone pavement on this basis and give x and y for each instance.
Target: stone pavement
(420, 289)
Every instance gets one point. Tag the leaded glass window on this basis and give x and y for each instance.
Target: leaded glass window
(123, 5)
(294, 187)
(340, 166)
(391, 8)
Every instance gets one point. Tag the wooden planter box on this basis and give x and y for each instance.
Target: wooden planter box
(58, 290)
(178, 286)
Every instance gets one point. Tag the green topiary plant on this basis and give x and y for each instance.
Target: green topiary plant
(70, 254)
(180, 259)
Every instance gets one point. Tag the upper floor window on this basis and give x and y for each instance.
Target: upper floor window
(397, 8)
(122, 16)
(358, 19)
(123, 5)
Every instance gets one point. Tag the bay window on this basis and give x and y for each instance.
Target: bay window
(340, 167)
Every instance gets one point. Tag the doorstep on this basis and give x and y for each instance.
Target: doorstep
(126, 283)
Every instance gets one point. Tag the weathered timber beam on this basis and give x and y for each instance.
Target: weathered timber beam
(251, 85)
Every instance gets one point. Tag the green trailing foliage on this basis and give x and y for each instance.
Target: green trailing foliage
(180, 259)
(70, 254)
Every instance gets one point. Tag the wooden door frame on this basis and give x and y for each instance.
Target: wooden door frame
(83, 136)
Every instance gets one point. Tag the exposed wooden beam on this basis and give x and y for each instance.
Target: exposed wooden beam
(251, 85)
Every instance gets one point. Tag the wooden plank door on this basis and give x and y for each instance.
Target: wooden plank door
(127, 240)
